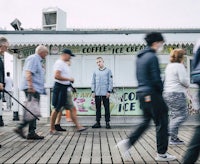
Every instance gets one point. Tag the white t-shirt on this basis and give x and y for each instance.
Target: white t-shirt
(176, 79)
(9, 84)
(63, 67)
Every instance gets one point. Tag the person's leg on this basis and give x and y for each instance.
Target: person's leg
(7, 101)
(58, 118)
(98, 100)
(146, 108)
(160, 116)
(106, 104)
(178, 112)
(68, 115)
(32, 124)
(54, 114)
(75, 120)
(57, 122)
(193, 150)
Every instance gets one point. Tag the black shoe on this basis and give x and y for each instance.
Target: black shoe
(20, 132)
(108, 125)
(59, 128)
(0, 146)
(97, 125)
(34, 137)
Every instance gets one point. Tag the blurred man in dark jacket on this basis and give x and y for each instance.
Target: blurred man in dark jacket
(192, 153)
(3, 48)
(149, 93)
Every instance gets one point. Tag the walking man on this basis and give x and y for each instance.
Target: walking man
(149, 93)
(3, 48)
(102, 85)
(33, 83)
(62, 82)
(8, 88)
(193, 150)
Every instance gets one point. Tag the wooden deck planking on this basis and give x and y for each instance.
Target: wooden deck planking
(91, 146)
(105, 150)
(115, 154)
(76, 156)
(70, 148)
(96, 149)
(87, 150)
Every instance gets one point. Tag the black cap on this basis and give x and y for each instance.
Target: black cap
(152, 37)
(67, 51)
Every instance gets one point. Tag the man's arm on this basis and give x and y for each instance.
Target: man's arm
(61, 78)
(155, 74)
(28, 76)
(110, 81)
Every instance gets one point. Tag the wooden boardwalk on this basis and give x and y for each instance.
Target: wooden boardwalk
(92, 146)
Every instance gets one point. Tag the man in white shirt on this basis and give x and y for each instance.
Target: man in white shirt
(8, 88)
(62, 82)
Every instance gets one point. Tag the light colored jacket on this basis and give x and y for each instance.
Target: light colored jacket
(102, 82)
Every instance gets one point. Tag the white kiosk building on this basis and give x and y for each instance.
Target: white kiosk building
(117, 47)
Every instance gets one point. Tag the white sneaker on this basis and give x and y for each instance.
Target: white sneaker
(165, 157)
(123, 147)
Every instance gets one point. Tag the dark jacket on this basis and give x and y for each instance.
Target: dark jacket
(148, 72)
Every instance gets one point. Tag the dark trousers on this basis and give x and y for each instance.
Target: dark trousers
(157, 110)
(106, 103)
(193, 150)
(32, 123)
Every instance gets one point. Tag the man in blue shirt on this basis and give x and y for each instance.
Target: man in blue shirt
(102, 85)
(33, 82)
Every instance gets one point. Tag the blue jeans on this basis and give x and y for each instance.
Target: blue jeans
(32, 123)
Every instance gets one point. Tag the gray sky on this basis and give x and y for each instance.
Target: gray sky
(105, 13)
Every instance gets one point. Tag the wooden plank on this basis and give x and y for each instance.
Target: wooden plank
(115, 154)
(36, 157)
(61, 150)
(51, 150)
(105, 151)
(96, 150)
(87, 150)
(76, 156)
(70, 148)
(33, 148)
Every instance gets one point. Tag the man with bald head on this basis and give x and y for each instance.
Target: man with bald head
(33, 83)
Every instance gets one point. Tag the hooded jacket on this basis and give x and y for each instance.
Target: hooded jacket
(148, 72)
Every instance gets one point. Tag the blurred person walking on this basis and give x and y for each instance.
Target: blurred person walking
(62, 81)
(8, 88)
(33, 84)
(69, 106)
(149, 93)
(176, 83)
(193, 150)
(3, 48)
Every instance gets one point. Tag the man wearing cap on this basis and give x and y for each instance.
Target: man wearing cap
(149, 93)
(62, 82)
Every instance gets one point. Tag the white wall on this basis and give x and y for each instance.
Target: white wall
(83, 66)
